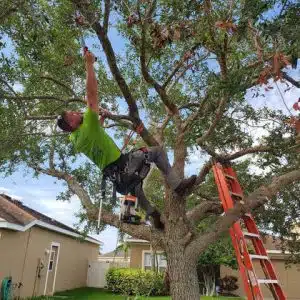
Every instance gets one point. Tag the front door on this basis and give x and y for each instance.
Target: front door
(52, 268)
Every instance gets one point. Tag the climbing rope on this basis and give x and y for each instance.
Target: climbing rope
(139, 129)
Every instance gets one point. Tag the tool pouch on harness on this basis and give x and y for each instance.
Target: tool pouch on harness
(123, 182)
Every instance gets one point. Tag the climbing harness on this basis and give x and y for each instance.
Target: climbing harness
(122, 181)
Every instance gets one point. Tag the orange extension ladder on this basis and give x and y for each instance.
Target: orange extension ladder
(242, 231)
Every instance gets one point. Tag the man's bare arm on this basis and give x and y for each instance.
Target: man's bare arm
(91, 83)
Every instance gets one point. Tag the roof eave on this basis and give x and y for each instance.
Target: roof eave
(16, 227)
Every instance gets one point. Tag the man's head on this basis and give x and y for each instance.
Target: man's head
(69, 120)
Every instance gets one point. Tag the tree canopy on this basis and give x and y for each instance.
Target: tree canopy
(185, 71)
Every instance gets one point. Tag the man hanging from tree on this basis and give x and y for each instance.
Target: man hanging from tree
(126, 171)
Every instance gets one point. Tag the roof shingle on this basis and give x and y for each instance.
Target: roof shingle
(14, 211)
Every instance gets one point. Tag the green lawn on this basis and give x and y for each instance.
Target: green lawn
(99, 294)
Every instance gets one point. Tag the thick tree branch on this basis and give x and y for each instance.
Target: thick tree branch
(47, 97)
(226, 158)
(122, 120)
(203, 172)
(50, 117)
(253, 201)
(201, 211)
(141, 231)
(256, 149)
(106, 15)
(109, 116)
(112, 62)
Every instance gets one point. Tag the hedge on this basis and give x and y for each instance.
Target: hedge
(135, 282)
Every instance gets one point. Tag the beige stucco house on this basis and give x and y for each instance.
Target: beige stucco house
(289, 277)
(41, 254)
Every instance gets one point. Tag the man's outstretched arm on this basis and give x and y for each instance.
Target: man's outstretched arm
(91, 83)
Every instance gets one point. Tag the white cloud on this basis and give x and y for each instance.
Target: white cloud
(10, 193)
(4, 190)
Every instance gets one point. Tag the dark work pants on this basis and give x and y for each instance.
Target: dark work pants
(158, 156)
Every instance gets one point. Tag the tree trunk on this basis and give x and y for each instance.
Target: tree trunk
(182, 267)
(183, 275)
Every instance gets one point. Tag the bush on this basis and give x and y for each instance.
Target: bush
(228, 284)
(135, 282)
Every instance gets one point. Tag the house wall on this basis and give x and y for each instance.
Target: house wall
(289, 278)
(12, 253)
(22, 265)
(137, 254)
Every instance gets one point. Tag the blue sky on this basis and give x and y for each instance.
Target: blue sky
(41, 193)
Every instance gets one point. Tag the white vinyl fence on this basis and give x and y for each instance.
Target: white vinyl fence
(97, 270)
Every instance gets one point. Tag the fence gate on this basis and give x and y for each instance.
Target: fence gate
(96, 274)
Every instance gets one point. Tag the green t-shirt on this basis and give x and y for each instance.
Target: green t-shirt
(91, 140)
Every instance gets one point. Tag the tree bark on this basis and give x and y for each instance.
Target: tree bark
(181, 267)
(183, 274)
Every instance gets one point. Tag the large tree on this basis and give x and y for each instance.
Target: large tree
(180, 69)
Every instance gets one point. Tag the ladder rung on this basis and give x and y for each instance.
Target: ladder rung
(255, 256)
(230, 177)
(249, 234)
(237, 195)
(267, 281)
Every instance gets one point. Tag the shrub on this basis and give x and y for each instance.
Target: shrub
(135, 282)
(229, 283)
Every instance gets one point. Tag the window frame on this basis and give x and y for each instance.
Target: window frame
(158, 253)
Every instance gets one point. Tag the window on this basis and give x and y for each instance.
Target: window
(52, 257)
(158, 261)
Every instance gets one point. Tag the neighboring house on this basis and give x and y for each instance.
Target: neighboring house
(289, 277)
(41, 254)
(117, 258)
(141, 255)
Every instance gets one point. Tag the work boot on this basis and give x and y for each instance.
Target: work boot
(156, 220)
(185, 184)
